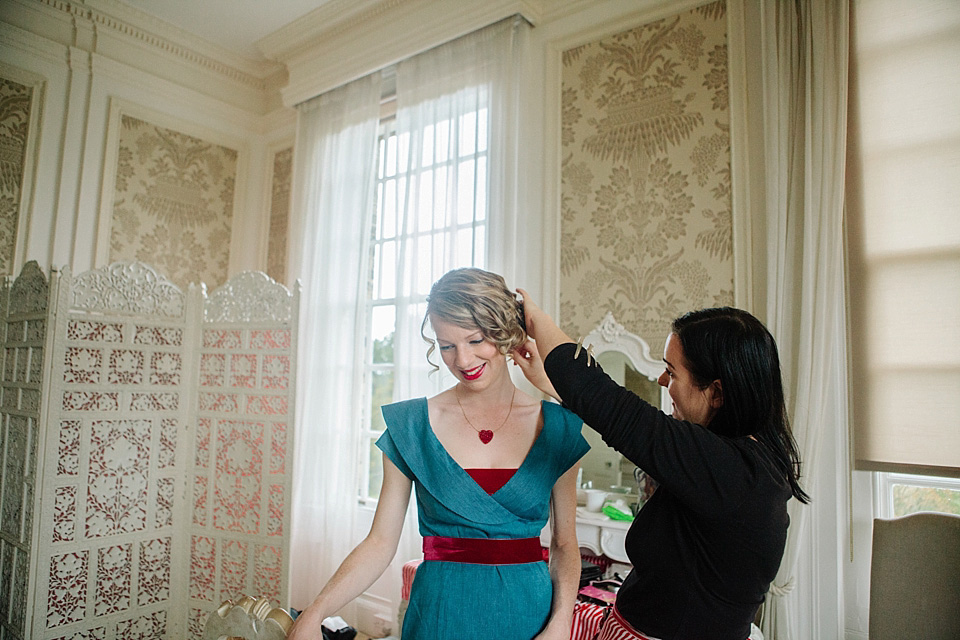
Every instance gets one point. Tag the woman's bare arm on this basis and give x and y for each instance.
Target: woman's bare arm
(564, 555)
(366, 562)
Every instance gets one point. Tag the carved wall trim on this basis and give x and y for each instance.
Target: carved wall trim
(163, 38)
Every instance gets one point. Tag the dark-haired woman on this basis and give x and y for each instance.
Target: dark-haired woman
(707, 545)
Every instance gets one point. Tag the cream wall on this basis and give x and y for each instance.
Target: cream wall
(89, 68)
(646, 224)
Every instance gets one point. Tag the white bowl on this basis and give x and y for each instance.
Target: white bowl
(595, 499)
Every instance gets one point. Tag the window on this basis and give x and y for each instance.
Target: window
(900, 494)
(422, 207)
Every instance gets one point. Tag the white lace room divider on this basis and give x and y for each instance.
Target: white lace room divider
(24, 328)
(161, 460)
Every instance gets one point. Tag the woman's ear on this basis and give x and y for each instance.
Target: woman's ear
(715, 389)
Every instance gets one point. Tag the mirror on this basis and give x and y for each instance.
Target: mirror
(625, 357)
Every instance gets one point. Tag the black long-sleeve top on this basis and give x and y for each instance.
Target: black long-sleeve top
(707, 545)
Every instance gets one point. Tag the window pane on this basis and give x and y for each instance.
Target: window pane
(909, 499)
(425, 198)
(376, 471)
(428, 146)
(465, 192)
(391, 164)
(468, 134)
(375, 272)
(480, 246)
(482, 132)
(440, 196)
(384, 321)
(382, 393)
(465, 242)
(425, 268)
(388, 270)
(388, 215)
(481, 194)
(442, 144)
(403, 153)
(382, 164)
(378, 213)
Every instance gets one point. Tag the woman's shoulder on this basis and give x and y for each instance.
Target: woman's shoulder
(560, 414)
(403, 408)
(406, 404)
(445, 397)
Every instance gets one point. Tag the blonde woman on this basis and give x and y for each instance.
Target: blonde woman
(489, 464)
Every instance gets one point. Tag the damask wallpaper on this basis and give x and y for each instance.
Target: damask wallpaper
(173, 203)
(15, 102)
(646, 229)
(279, 214)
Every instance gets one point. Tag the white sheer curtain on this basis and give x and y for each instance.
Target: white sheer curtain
(794, 200)
(456, 130)
(333, 187)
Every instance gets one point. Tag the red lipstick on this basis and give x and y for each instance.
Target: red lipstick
(477, 373)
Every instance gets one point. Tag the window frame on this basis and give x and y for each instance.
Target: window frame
(884, 482)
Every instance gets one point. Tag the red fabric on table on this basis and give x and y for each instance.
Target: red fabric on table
(409, 572)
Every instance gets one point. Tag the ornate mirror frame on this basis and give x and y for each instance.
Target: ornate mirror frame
(610, 335)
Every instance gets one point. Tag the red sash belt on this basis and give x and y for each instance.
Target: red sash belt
(482, 550)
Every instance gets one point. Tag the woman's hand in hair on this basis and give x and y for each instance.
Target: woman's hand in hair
(541, 326)
(527, 357)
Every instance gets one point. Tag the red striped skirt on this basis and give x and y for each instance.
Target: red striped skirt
(601, 622)
(604, 622)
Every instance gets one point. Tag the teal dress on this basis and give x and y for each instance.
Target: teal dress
(464, 601)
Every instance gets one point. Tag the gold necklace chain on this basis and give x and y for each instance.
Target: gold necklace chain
(485, 435)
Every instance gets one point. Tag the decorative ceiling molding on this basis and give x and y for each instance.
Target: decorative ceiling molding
(166, 40)
(22, 40)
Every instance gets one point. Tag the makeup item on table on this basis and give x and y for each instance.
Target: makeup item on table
(335, 628)
(595, 499)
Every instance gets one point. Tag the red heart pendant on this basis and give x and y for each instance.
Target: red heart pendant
(485, 435)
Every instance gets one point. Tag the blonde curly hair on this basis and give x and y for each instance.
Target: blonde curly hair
(472, 298)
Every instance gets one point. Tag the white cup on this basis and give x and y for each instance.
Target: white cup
(595, 499)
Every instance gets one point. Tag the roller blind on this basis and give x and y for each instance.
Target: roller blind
(903, 234)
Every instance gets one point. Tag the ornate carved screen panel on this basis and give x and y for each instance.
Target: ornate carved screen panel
(118, 415)
(241, 473)
(24, 308)
(128, 431)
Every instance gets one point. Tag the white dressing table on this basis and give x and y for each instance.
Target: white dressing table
(620, 353)
(598, 533)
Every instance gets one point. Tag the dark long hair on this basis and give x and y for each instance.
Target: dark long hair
(732, 346)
